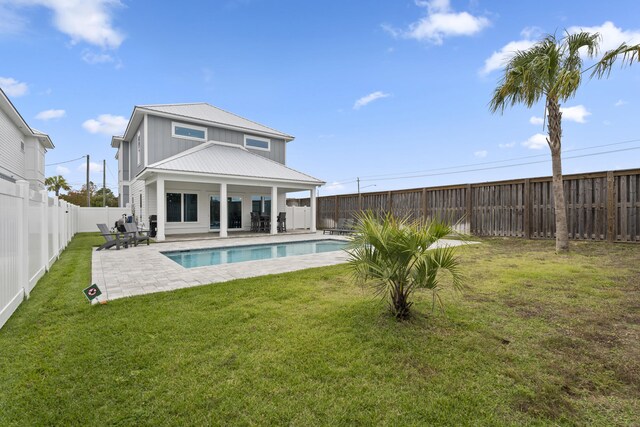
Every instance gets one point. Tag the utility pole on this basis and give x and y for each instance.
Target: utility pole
(88, 189)
(104, 183)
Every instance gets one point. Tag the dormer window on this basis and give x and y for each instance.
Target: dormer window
(184, 131)
(257, 143)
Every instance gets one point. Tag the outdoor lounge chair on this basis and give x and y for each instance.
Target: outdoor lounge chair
(137, 235)
(340, 227)
(282, 222)
(113, 239)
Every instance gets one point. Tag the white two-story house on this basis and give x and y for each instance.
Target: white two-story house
(198, 168)
(22, 148)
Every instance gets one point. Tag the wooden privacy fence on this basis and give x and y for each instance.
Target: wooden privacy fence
(600, 206)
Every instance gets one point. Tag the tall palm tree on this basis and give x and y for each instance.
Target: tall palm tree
(57, 183)
(552, 69)
(395, 256)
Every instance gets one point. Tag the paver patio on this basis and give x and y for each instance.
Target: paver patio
(144, 269)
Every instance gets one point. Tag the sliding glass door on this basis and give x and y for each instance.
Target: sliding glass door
(234, 212)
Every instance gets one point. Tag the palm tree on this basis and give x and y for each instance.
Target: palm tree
(57, 183)
(394, 256)
(552, 69)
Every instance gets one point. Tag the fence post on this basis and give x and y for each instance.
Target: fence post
(469, 207)
(390, 203)
(55, 227)
(526, 206)
(611, 208)
(44, 236)
(425, 214)
(335, 218)
(23, 236)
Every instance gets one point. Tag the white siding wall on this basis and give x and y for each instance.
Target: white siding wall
(34, 162)
(135, 190)
(11, 156)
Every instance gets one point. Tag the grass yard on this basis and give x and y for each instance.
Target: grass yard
(538, 339)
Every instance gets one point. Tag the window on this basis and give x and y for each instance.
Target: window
(174, 202)
(180, 130)
(22, 146)
(257, 143)
(261, 204)
(139, 148)
(182, 207)
(190, 208)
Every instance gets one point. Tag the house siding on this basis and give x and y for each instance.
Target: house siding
(12, 159)
(133, 150)
(162, 145)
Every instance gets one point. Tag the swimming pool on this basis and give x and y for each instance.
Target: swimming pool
(216, 256)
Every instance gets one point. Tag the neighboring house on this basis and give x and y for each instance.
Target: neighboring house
(22, 148)
(202, 169)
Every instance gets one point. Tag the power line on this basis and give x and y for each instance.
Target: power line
(66, 161)
(399, 174)
(503, 166)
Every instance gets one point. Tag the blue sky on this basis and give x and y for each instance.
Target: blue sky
(368, 88)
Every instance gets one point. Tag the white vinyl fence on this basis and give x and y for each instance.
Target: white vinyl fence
(298, 217)
(34, 229)
(90, 217)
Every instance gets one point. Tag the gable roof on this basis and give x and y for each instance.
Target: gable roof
(220, 158)
(14, 115)
(201, 113)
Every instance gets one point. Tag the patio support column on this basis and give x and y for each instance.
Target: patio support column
(274, 210)
(312, 207)
(224, 210)
(161, 208)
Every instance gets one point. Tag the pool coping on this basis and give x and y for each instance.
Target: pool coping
(144, 269)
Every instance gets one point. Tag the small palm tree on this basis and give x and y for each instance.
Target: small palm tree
(394, 256)
(57, 183)
(552, 69)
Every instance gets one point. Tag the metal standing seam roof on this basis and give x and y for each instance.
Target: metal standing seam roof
(209, 113)
(229, 159)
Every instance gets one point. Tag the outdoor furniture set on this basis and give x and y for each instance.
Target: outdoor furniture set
(344, 226)
(131, 236)
(261, 223)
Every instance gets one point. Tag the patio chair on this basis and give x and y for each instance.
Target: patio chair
(282, 222)
(113, 239)
(137, 235)
(339, 226)
(255, 221)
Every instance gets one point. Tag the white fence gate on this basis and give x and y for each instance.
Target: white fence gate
(34, 229)
(298, 217)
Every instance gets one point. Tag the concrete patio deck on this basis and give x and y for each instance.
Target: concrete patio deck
(144, 269)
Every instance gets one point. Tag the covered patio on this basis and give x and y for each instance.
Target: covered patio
(215, 188)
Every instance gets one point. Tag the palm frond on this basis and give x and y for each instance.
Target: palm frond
(630, 54)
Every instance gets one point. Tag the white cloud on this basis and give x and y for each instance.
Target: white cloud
(441, 22)
(576, 114)
(107, 124)
(93, 167)
(481, 154)
(91, 57)
(50, 114)
(507, 145)
(536, 120)
(12, 87)
(536, 142)
(87, 21)
(61, 170)
(369, 99)
(499, 58)
(612, 36)
(620, 103)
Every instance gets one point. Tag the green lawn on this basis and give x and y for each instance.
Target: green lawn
(537, 339)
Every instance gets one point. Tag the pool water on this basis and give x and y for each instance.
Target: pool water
(216, 256)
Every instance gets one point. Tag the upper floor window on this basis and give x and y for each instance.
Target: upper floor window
(139, 148)
(181, 130)
(22, 146)
(257, 143)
